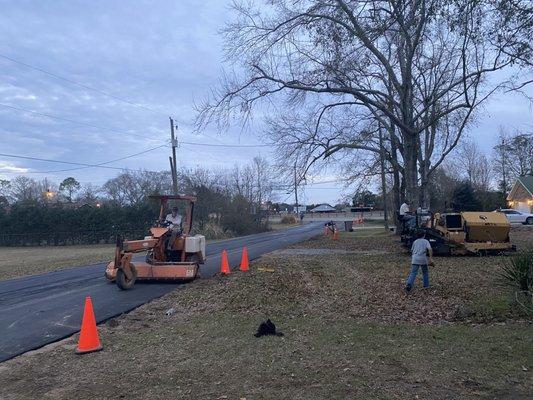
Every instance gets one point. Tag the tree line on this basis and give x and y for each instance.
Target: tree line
(470, 179)
(230, 202)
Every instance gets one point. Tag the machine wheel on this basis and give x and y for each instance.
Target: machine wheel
(529, 221)
(123, 282)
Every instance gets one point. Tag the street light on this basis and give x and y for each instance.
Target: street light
(49, 194)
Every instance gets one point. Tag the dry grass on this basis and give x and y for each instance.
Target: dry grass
(21, 261)
(462, 288)
(350, 332)
(277, 226)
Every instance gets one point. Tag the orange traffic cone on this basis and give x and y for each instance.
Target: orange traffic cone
(224, 266)
(336, 235)
(89, 340)
(244, 260)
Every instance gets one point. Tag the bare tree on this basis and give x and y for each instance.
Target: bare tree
(5, 191)
(513, 157)
(89, 193)
(473, 165)
(24, 189)
(419, 68)
(134, 187)
(254, 181)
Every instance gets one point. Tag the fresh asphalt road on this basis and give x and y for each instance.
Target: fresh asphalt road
(41, 309)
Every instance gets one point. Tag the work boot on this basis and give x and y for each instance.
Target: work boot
(408, 288)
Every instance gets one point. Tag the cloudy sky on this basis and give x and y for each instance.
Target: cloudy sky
(162, 57)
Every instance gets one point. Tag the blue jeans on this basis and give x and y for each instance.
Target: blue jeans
(414, 272)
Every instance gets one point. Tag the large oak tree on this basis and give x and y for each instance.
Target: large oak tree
(416, 70)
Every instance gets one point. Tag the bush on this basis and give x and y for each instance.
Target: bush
(288, 219)
(36, 224)
(518, 274)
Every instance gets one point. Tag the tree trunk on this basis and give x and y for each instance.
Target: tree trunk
(424, 197)
(396, 183)
(410, 170)
(383, 183)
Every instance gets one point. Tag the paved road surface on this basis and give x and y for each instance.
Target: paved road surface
(42, 309)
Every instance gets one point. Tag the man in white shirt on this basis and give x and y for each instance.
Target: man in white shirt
(403, 216)
(404, 209)
(174, 220)
(420, 251)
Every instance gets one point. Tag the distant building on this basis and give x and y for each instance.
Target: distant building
(323, 208)
(521, 195)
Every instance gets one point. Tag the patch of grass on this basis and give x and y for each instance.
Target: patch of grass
(22, 261)
(212, 355)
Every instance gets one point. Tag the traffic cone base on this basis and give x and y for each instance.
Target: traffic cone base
(224, 265)
(89, 340)
(245, 264)
(99, 348)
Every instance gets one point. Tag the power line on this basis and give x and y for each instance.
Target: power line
(280, 186)
(224, 145)
(99, 164)
(72, 121)
(330, 181)
(62, 162)
(124, 132)
(82, 85)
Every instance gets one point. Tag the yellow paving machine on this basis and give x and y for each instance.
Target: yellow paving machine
(462, 233)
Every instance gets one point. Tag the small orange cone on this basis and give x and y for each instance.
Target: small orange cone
(336, 235)
(89, 340)
(224, 266)
(244, 260)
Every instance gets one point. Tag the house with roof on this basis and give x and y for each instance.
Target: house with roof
(521, 195)
(323, 208)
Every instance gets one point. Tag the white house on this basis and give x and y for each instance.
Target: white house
(323, 208)
(521, 195)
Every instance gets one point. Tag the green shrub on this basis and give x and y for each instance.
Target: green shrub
(518, 274)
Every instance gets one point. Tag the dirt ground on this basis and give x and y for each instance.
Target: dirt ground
(21, 261)
(349, 332)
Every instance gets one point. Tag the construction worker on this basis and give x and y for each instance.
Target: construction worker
(420, 251)
(174, 220)
(404, 217)
(404, 209)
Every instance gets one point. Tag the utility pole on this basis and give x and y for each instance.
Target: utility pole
(173, 165)
(296, 189)
(383, 182)
(504, 172)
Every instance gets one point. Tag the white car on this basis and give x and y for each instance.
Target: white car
(514, 216)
